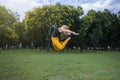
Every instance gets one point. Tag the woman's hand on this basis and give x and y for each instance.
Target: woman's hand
(75, 33)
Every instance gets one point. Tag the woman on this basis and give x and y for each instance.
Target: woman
(55, 37)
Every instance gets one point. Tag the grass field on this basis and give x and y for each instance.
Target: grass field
(41, 65)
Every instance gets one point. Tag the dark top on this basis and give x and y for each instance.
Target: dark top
(55, 33)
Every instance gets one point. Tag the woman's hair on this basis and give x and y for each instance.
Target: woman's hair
(65, 27)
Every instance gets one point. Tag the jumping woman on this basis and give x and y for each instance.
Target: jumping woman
(55, 37)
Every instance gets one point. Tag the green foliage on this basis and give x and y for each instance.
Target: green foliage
(41, 20)
(7, 33)
(21, 32)
(100, 29)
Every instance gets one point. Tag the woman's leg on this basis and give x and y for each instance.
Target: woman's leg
(57, 45)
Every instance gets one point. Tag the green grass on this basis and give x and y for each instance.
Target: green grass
(41, 65)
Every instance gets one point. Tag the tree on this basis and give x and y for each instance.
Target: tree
(86, 30)
(20, 31)
(7, 33)
(40, 21)
(100, 29)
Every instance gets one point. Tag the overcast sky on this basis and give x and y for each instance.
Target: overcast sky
(21, 6)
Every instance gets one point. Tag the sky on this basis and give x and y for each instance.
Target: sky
(22, 6)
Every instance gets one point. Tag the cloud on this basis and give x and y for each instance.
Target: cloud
(99, 5)
(21, 6)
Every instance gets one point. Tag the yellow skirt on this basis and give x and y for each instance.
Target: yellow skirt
(59, 45)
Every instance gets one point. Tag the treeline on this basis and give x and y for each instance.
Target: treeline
(98, 30)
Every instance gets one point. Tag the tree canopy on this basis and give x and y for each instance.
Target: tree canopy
(7, 33)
